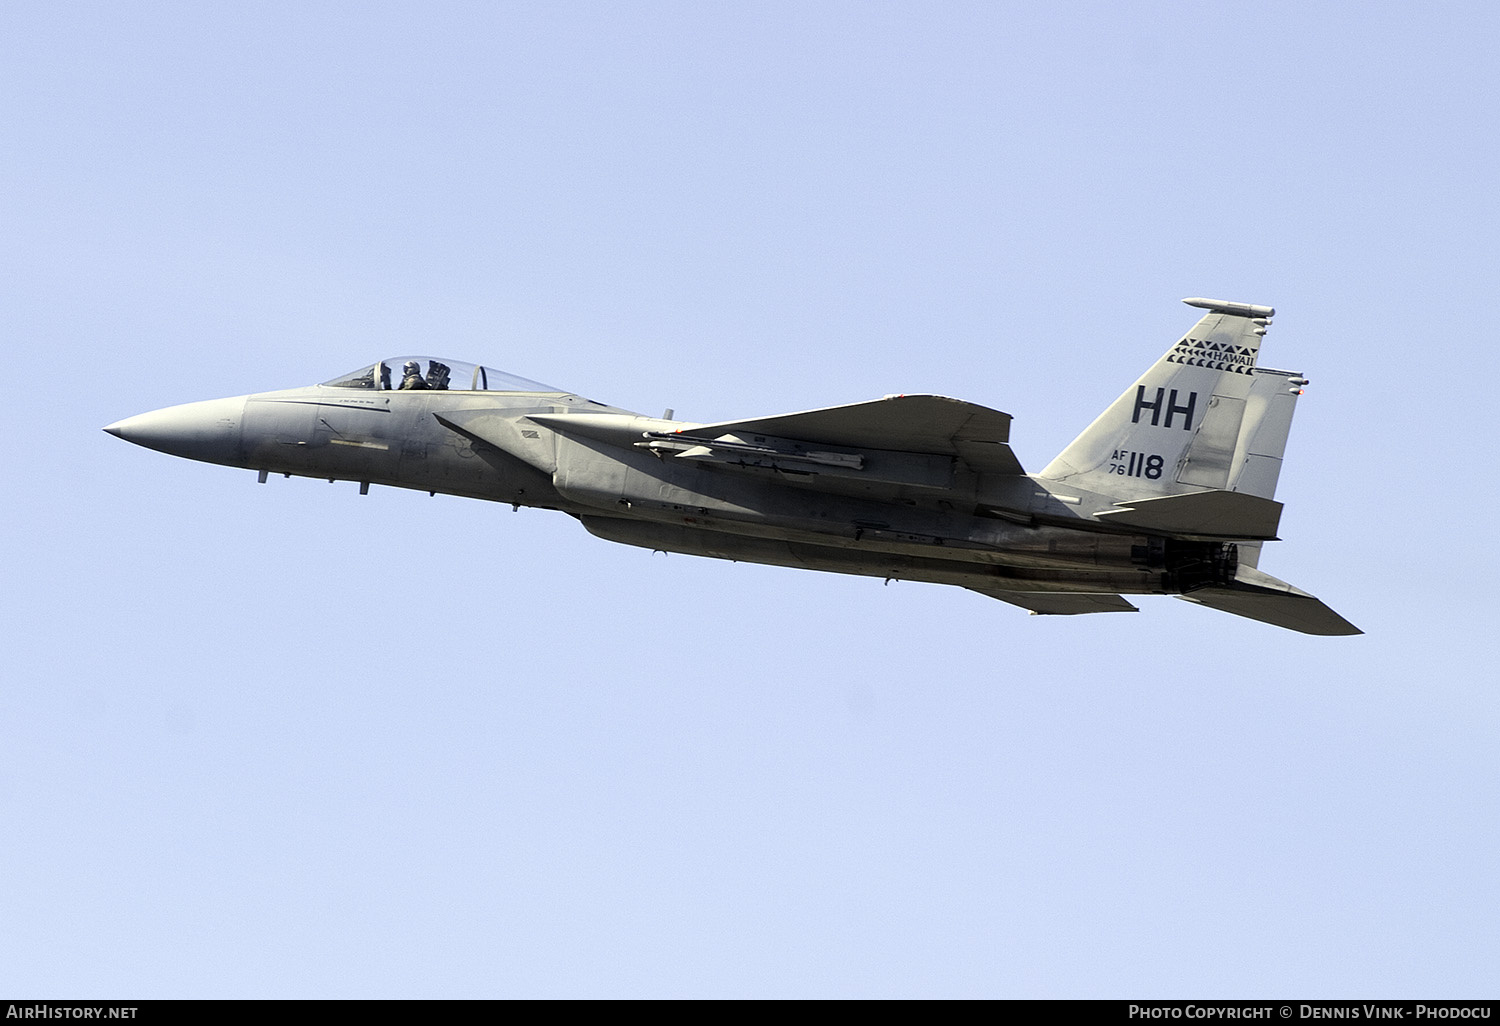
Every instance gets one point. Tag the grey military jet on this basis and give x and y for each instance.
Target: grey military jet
(1169, 492)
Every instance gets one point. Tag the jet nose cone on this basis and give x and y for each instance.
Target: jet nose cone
(208, 431)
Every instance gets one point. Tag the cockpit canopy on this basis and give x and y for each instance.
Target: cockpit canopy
(426, 373)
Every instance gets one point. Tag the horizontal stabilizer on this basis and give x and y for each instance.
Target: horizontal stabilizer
(905, 423)
(1214, 514)
(1259, 596)
(1059, 603)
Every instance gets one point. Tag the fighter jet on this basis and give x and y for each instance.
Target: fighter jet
(1170, 491)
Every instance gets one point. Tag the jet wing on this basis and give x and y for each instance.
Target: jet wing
(927, 424)
(1059, 603)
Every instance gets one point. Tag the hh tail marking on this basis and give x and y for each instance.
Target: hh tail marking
(1155, 406)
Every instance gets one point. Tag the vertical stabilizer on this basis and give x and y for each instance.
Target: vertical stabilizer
(1263, 433)
(1203, 417)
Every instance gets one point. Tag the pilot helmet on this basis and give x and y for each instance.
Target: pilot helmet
(413, 367)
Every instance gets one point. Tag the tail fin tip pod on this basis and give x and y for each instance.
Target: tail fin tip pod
(1234, 309)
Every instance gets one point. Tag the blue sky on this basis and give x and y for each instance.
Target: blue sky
(251, 749)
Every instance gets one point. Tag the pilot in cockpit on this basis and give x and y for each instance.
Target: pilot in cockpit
(411, 376)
